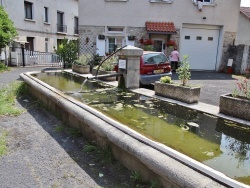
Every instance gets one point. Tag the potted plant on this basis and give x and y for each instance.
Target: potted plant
(81, 65)
(237, 104)
(107, 68)
(179, 91)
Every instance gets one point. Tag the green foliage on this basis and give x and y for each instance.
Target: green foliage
(166, 79)
(136, 177)
(3, 147)
(59, 128)
(242, 89)
(183, 71)
(96, 60)
(109, 64)
(83, 60)
(3, 67)
(7, 29)
(148, 48)
(8, 96)
(103, 155)
(68, 51)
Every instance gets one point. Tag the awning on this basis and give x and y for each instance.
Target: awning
(160, 27)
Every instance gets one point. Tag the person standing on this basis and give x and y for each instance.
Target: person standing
(174, 59)
(200, 5)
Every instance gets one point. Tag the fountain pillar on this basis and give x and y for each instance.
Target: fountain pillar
(130, 67)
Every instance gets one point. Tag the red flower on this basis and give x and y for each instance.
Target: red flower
(171, 43)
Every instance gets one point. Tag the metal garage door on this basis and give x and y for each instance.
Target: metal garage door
(201, 45)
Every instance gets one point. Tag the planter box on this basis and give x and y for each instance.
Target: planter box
(81, 69)
(101, 72)
(181, 93)
(235, 107)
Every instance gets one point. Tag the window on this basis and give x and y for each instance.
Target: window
(114, 43)
(46, 14)
(198, 38)
(76, 25)
(187, 37)
(117, 0)
(28, 10)
(205, 2)
(210, 38)
(60, 23)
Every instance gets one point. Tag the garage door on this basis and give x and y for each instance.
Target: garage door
(201, 45)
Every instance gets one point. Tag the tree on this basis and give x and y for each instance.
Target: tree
(7, 29)
(68, 51)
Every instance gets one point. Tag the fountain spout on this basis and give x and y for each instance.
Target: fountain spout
(103, 76)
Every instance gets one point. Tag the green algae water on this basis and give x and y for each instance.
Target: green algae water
(221, 144)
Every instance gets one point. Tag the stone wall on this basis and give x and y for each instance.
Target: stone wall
(138, 32)
(87, 38)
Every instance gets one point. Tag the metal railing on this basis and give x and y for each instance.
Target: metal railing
(25, 57)
(61, 28)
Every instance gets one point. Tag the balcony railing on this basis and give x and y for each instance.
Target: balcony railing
(76, 30)
(61, 28)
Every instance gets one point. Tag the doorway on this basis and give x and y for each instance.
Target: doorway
(158, 45)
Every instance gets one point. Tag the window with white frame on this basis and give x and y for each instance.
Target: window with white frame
(114, 43)
(28, 10)
(205, 2)
(115, 29)
(46, 14)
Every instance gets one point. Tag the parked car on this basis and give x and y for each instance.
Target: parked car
(153, 65)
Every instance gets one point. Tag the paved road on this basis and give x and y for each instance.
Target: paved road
(213, 84)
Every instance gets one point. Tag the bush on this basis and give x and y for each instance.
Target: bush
(83, 60)
(183, 71)
(166, 79)
(109, 64)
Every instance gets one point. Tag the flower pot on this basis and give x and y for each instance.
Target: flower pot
(178, 92)
(236, 107)
(82, 69)
(229, 70)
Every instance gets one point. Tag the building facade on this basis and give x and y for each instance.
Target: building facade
(42, 24)
(204, 35)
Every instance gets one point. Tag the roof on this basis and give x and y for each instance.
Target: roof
(245, 11)
(160, 27)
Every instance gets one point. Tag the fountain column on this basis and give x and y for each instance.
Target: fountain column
(131, 74)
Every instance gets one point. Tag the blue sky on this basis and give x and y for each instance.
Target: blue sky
(245, 3)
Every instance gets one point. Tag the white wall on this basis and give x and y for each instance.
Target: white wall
(37, 28)
(137, 12)
(243, 33)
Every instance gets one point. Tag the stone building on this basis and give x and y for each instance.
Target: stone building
(41, 24)
(204, 35)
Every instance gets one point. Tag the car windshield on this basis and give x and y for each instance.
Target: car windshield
(154, 58)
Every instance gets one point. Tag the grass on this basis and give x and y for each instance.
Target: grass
(3, 67)
(8, 96)
(3, 147)
(103, 155)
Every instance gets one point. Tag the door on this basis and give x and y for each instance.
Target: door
(158, 45)
(201, 46)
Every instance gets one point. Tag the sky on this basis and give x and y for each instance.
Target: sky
(245, 3)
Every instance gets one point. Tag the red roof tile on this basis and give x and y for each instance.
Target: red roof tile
(160, 27)
(245, 11)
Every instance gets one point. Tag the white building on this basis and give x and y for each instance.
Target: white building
(41, 24)
(203, 35)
